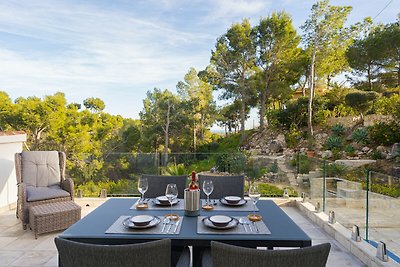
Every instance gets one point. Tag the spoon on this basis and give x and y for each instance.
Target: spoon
(243, 222)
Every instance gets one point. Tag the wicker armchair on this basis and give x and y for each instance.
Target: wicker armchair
(222, 255)
(41, 179)
(148, 254)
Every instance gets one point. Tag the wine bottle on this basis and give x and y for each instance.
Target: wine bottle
(193, 183)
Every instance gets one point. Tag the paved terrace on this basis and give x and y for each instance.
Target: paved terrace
(20, 248)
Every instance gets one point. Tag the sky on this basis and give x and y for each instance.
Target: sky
(118, 50)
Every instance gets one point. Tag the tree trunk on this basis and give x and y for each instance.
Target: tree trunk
(166, 132)
(242, 119)
(328, 82)
(262, 108)
(369, 77)
(194, 137)
(310, 99)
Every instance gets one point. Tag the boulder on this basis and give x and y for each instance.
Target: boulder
(327, 154)
(381, 149)
(281, 138)
(275, 146)
(365, 149)
(395, 151)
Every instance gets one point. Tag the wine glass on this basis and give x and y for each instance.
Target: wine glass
(143, 185)
(171, 192)
(208, 188)
(254, 194)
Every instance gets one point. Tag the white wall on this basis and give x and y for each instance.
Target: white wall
(9, 145)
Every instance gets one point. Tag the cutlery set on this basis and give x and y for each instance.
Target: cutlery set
(245, 221)
(169, 226)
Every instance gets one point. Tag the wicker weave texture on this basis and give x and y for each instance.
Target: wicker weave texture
(55, 216)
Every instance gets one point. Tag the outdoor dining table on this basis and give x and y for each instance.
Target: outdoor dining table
(92, 228)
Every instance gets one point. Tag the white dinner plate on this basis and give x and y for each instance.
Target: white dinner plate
(127, 223)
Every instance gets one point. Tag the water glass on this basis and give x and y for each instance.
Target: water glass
(254, 194)
(208, 188)
(171, 192)
(143, 185)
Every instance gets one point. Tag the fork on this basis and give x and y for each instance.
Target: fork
(247, 222)
(165, 222)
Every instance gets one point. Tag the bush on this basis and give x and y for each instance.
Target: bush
(175, 169)
(360, 135)
(376, 155)
(350, 150)
(384, 133)
(232, 163)
(361, 100)
(293, 136)
(336, 170)
(338, 129)
(301, 162)
(268, 190)
(333, 142)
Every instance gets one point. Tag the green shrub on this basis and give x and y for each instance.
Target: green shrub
(384, 133)
(232, 163)
(301, 163)
(268, 190)
(336, 170)
(338, 129)
(293, 136)
(376, 155)
(334, 142)
(123, 186)
(350, 150)
(175, 169)
(360, 135)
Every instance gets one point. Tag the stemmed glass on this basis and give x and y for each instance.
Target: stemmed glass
(171, 192)
(143, 185)
(254, 194)
(208, 188)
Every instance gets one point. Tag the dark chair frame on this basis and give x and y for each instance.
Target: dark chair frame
(158, 184)
(223, 185)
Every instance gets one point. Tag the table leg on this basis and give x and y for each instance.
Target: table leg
(197, 256)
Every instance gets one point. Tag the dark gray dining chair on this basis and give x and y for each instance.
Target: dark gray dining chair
(158, 184)
(222, 255)
(148, 254)
(223, 185)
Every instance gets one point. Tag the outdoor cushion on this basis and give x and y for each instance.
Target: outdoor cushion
(41, 168)
(41, 193)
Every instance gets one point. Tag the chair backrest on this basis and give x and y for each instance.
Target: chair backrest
(40, 168)
(233, 256)
(158, 184)
(148, 254)
(223, 185)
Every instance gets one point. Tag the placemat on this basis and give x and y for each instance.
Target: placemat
(118, 228)
(152, 206)
(218, 206)
(239, 229)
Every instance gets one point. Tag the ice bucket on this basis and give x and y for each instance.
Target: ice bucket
(192, 202)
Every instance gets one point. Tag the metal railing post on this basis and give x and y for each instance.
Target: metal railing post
(324, 185)
(367, 205)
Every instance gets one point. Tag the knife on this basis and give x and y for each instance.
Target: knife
(176, 226)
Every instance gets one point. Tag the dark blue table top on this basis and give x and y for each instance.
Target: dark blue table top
(91, 228)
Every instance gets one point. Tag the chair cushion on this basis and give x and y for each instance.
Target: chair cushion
(40, 168)
(34, 193)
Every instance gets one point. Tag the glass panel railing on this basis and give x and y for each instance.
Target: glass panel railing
(383, 215)
(345, 195)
